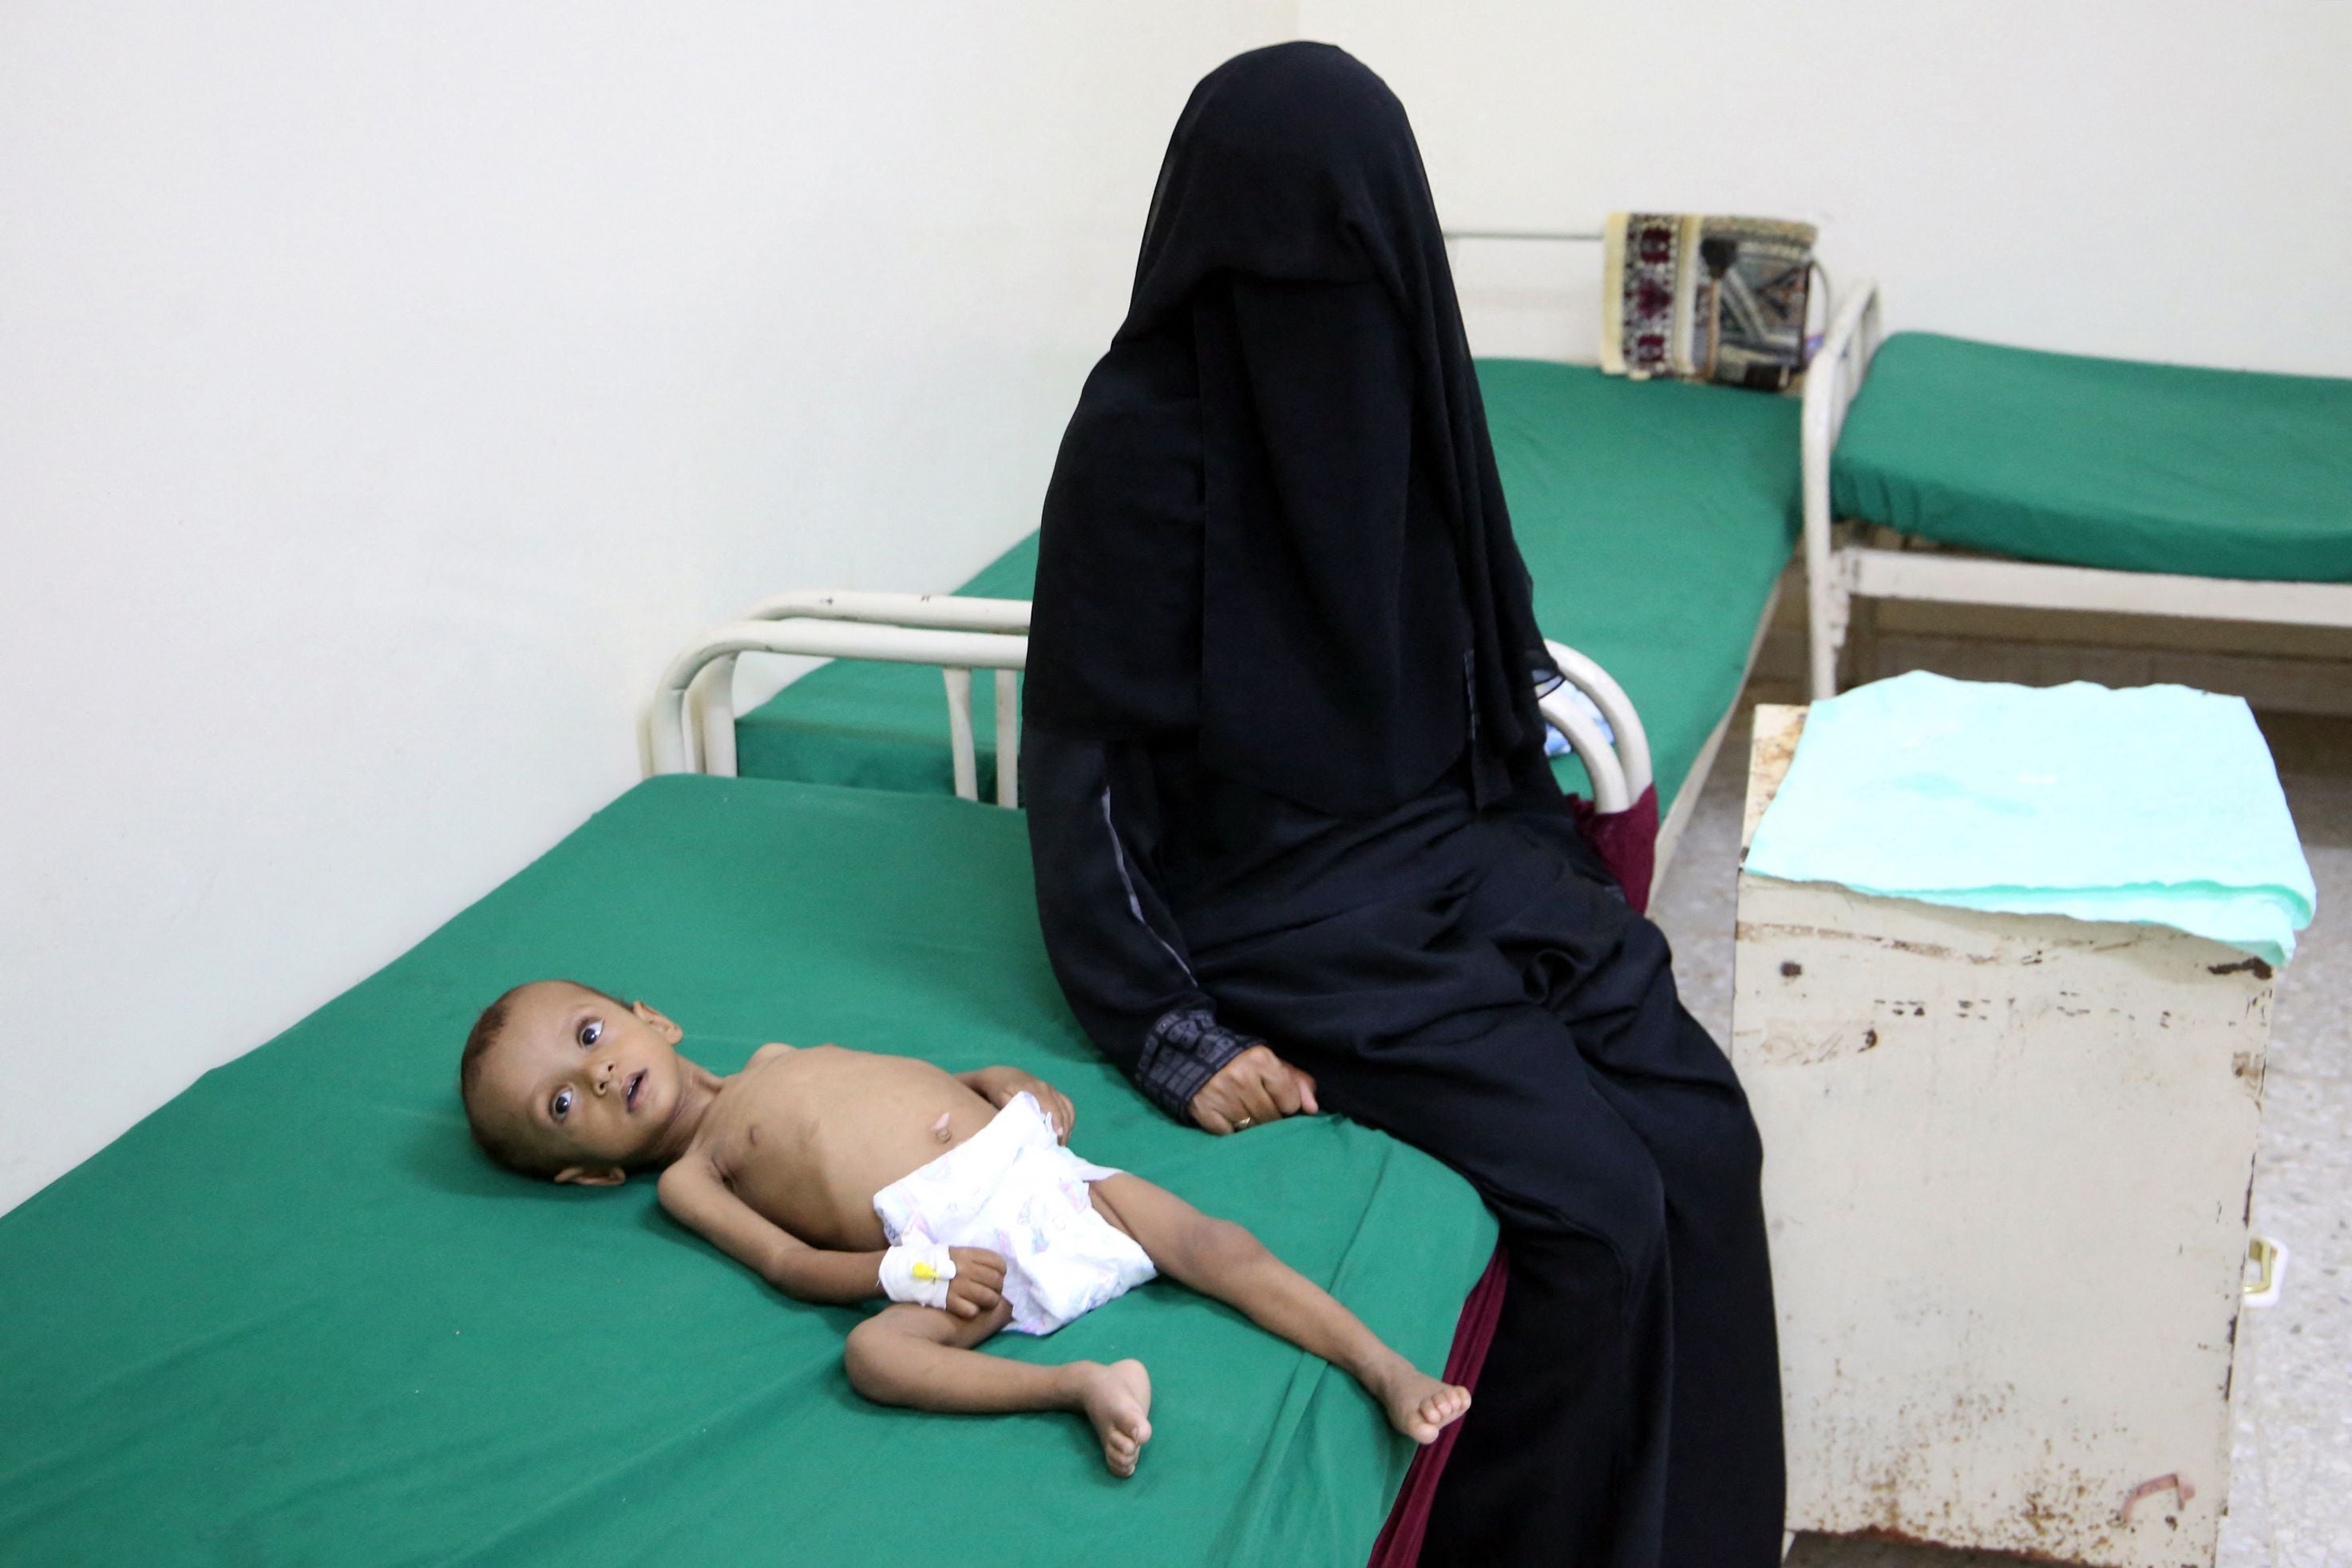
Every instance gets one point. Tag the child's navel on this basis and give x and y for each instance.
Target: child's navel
(939, 1132)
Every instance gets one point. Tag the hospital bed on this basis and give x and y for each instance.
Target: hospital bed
(963, 634)
(294, 1316)
(1940, 468)
(1656, 517)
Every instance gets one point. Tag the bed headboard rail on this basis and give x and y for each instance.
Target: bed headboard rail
(1522, 304)
(692, 724)
(1521, 299)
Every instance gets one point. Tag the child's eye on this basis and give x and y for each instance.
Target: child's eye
(560, 1104)
(591, 1032)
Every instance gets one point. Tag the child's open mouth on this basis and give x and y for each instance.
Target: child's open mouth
(636, 1082)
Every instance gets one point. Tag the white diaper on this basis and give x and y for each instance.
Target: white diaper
(1012, 1189)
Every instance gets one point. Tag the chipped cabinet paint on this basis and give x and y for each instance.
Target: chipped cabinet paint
(2007, 1167)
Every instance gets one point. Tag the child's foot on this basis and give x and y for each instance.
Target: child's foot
(1419, 1405)
(1118, 1399)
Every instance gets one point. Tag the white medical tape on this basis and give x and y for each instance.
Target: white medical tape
(917, 1271)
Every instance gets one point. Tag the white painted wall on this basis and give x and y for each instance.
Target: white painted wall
(385, 391)
(2170, 179)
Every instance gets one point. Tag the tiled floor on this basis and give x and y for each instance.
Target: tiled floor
(2291, 1497)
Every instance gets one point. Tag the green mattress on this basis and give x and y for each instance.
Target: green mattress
(2099, 462)
(292, 1316)
(1656, 517)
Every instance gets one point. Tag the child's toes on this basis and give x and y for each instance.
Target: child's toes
(1429, 1418)
(1446, 1406)
(1123, 1443)
(1116, 1398)
(1419, 1406)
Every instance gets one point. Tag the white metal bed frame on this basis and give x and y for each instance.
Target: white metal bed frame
(1841, 566)
(694, 701)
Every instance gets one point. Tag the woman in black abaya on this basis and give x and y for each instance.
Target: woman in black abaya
(1296, 843)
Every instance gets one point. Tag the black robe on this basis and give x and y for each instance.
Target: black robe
(1285, 782)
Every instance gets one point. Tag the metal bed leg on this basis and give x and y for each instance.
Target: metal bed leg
(1008, 738)
(710, 704)
(1831, 381)
(1827, 610)
(959, 742)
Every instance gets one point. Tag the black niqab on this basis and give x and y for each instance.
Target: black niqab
(1276, 520)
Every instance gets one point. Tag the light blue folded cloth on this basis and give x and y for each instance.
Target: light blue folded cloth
(2156, 805)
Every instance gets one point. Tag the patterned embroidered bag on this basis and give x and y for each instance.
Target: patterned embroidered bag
(1705, 299)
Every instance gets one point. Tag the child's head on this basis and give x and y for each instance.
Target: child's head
(564, 1082)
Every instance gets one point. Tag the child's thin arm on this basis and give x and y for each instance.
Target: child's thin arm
(697, 1199)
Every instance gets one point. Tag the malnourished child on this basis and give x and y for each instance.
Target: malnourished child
(843, 1176)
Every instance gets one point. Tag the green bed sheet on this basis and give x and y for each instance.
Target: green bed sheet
(293, 1317)
(2099, 462)
(1654, 516)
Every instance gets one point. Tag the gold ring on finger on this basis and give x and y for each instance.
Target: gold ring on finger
(1244, 1124)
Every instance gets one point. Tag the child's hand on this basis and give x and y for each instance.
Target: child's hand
(999, 1084)
(979, 1281)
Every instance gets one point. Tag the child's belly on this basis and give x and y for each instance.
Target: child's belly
(850, 1147)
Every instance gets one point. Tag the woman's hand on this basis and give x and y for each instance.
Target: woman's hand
(999, 1084)
(1255, 1086)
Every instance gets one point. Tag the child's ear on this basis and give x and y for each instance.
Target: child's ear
(592, 1175)
(656, 1022)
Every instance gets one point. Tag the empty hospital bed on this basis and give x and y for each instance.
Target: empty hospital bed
(293, 1316)
(1940, 468)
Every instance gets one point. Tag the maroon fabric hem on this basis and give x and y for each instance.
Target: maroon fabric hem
(1627, 841)
(1399, 1546)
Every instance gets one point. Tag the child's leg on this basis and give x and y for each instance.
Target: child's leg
(1220, 1258)
(924, 1358)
